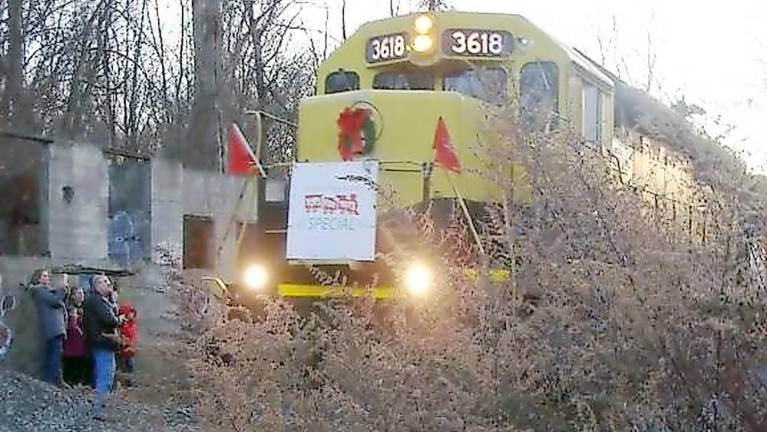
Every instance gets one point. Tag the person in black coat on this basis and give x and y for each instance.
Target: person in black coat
(101, 323)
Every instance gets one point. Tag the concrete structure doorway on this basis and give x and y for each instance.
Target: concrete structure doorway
(198, 242)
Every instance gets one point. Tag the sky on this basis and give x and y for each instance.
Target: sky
(713, 53)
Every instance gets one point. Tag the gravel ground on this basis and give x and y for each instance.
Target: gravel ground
(27, 404)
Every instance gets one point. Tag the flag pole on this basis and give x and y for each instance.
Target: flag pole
(465, 209)
(246, 194)
(232, 220)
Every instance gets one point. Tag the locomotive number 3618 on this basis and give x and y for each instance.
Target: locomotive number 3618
(476, 43)
(384, 48)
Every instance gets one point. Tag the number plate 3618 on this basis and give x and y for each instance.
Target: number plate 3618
(477, 43)
(386, 48)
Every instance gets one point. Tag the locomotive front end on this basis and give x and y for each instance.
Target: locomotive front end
(402, 92)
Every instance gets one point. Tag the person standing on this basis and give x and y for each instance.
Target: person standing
(76, 361)
(128, 337)
(51, 313)
(101, 325)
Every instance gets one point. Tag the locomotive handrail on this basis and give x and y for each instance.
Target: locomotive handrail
(272, 116)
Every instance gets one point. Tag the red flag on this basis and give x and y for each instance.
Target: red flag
(241, 157)
(445, 155)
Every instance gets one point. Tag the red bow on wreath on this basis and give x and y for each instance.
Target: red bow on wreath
(351, 123)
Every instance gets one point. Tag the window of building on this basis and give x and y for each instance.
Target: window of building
(592, 114)
(413, 80)
(342, 81)
(539, 93)
(487, 84)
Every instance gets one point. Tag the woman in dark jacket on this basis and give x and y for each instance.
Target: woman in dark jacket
(51, 313)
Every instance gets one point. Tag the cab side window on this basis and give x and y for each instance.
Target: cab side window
(592, 113)
(342, 81)
(539, 94)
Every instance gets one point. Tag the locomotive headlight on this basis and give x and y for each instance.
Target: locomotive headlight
(418, 279)
(423, 24)
(255, 277)
(422, 43)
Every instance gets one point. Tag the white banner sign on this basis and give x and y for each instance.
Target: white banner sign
(332, 211)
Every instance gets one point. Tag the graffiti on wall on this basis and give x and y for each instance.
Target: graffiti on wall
(129, 207)
(125, 241)
(7, 304)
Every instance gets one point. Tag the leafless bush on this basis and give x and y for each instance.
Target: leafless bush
(611, 320)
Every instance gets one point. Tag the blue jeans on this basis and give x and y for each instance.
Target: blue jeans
(52, 364)
(103, 376)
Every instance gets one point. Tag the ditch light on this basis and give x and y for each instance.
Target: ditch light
(419, 279)
(255, 277)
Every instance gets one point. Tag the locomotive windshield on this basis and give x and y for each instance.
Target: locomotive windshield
(342, 81)
(404, 80)
(487, 84)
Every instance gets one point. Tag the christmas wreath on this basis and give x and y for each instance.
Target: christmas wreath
(357, 132)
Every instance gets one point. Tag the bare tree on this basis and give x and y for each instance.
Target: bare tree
(13, 102)
(612, 54)
(205, 117)
(393, 9)
(434, 5)
(104, 71)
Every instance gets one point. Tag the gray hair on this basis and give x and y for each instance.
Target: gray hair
(98, 278)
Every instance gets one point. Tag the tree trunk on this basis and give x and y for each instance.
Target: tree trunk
(206, 150)
(14, 105)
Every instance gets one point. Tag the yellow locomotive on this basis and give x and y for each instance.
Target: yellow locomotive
(386, 92)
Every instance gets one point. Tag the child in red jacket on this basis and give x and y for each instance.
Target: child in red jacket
(128, 338)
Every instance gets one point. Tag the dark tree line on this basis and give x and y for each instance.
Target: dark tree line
(132, 75)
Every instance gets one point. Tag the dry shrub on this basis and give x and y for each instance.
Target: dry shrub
(633, 327)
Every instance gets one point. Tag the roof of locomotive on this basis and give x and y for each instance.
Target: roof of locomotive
(575, 56)
(635, 109)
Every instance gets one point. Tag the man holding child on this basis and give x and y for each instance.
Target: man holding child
(101, 326)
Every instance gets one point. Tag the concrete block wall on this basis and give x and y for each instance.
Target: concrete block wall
(215, 196)
(167, 209)
(77, 230)
(179, 192)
